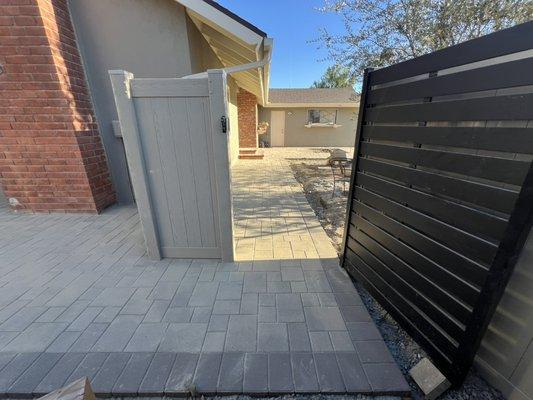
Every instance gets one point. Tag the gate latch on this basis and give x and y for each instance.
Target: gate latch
(224, 123)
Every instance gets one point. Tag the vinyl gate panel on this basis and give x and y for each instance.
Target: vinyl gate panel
(170, 148)
(178, 158)
(441, 199)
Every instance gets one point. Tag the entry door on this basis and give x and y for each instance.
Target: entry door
(277, 128)
(177, 150)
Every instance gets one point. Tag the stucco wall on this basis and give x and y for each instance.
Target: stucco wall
(505, 358)
(297, 135)
(146, 37)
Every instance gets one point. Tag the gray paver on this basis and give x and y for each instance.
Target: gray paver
(115, 296)
(88, 338)
(249, 303)
(341, 341)
(63, 342)
(147, 337)
(183, 338)
(178, 314)
(303, 369)
(214, 342)
(298, 337)
(157, 311)
(352, 373)
(106, 377)
(181, 376)
(130, 379)
(324, 319)
(320, 341)
(242, 333)
(386, 378)
(226, 307)
(57, 376)
(267, 314)
(206, 375)
(26, 383)
(280, 373)
(229, 291)
(328, 373)
(107, 296)
(157, 374)
(255, 373)
(231, 373)
(84, 319)
(272, 337)
(201, 314)
(373, 351)
(118, 333)
(37, 337)
(363, 331)
(89, 366)
(204, 294)
(218, 323)
(355, 314)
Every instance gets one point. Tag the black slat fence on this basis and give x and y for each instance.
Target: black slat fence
(441, 198)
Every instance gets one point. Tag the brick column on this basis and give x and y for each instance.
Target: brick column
(247, 111)
(51, 155)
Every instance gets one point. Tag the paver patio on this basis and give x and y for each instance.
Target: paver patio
(78, 298)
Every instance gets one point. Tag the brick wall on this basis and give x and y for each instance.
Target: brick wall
(247, 110)
(51, 155)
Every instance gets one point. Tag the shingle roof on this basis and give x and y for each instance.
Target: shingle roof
(322, 96)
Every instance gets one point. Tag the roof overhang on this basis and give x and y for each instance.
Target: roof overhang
(311, 105)
(235, 42)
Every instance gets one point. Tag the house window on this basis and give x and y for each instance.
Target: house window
(322, 117)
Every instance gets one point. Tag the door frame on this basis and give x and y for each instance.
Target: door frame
(282, 124)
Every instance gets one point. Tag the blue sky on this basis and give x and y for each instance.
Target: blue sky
(292, 24)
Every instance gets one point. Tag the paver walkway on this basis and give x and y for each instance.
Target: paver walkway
(78, 298)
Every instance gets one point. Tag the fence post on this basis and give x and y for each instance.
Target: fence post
(219, 110)
(120, 81)
(358, 135)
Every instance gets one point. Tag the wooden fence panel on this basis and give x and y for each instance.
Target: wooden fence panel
(441, 196)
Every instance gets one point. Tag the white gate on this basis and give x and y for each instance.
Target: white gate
(177, 151)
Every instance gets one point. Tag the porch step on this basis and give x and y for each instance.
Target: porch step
(251, 154)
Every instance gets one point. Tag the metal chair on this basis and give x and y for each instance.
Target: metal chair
(341, 169)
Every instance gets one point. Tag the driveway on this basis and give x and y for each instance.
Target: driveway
(79, 298)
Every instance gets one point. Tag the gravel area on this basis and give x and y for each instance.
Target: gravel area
(310, 169)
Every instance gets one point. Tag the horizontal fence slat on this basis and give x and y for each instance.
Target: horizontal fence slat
(512, 140)
(494, 108)
(490, 197)
(465, 293)
(471, 246)
(434, 315)
(171, 87)
(465, 218)
(439, 342)
(508, 41)
(505, 75)
(485, 167)
(450, 316)
(450, 260)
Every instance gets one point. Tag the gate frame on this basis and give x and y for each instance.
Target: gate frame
(520, 219)
(216, 79)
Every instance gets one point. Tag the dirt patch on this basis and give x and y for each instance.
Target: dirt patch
(317, 181)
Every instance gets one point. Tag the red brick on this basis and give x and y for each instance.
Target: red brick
(51, 155)
(247, 114)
